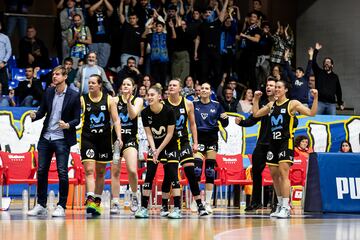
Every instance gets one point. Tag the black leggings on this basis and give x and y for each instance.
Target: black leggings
(170, 176)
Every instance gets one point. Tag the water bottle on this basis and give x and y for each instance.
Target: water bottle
(51, 200)
(25, 199)
(127, 200)
(107, 200)
(116, 155)
(242, 202)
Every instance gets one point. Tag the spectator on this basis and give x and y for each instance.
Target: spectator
(67, 22)
(249, 45)
(165, 94)
(228, 45)
(159, 57)
(99, 23)
(188, 89)
(83, 74)
(283, 39)
(230, 82)
(71, 73)
(5, 53)
(131, 41)
(192, 28)
(17, 7)
(311, 86)
(233, 11)
(345, 147)
(180, 60)
(276, 72)
(29, 92)
(262, 70)
(7, 100)
(229, 102)
(143, 11)
(142, 93)
(300, 81)
(78, 39)
(257, 8)
(245, 104)
(128, 71)
(327, 83)
(32, 51)
(302, 146)
(207, 47)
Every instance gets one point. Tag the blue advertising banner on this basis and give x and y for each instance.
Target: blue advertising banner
(339, 181)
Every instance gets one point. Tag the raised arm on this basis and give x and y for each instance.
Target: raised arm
(315, 65)
(135, 109)
(95, 6)
(109, 8)
(255, 109)
(223, 11)
(296, 106)
(121, 12)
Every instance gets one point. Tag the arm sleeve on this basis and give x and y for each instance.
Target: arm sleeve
(171, 118)
(315, 66)
(8, 50)
(289, 73)
(308, 70)
(76, 112)
(107, 84)
(250, 121)
(338, 93)
(144, 118)
(40, 113)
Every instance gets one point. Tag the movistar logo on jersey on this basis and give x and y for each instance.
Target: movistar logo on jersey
(276, 122)
(158, 133)
(124, 117)
(97, 121)
(180, 122)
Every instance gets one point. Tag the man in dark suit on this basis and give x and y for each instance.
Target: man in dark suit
(61, 105)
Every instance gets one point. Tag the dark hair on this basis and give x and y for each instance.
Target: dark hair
(131, 58)
(132, 13)
(278, 66)
(331, 60)
(29, 66)
(159, 22)
(30, 26)
(76, 15)
(172, 7)
(244, 93)
(345, 141)
(99, 78)
(271, 78)
(258, 1)
(300, 69)
(298, 140)
(255, 13)
(68, 59)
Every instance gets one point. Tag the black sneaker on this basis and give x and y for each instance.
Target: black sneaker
(253, 207)
(202, 211)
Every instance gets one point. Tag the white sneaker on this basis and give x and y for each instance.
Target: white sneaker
(59, 212)
(115, 208)
(277, 211)
(284, 212)
(164, 212)
(208, 208)
(38, 210)
(193, 206)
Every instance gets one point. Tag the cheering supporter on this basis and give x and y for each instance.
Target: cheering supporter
(228, 44)
(245, 104)
(131, 41)
(327, 83)
(257, 7)
(229, 103)
(67, 22)
(207, 46)
(300, 80)
(99, 24)
(262, 70)
(283, 39)
(345, 147)
(32, 51)
(78, 39)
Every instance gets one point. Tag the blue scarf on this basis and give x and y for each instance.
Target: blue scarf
(159, 50)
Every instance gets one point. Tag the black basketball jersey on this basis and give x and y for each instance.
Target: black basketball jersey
(96, 118)
(181, 127)
(129, 127)
(158, 124)
(282, 121)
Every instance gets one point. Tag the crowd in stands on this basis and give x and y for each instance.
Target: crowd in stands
(155, 41)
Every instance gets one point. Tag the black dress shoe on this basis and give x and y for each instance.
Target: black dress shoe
(253, 207)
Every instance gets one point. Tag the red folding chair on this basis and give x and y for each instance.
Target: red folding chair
(233, 170)
(266, 181)
(80, 176)
(18, 168)
(297, 174)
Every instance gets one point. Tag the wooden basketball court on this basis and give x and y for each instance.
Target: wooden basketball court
(223, 224)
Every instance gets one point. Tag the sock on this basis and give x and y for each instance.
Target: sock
(280, 200)
(165, 203)
(145, 201)
(97, 196)
(285, 202)
(208, 196)
(90, 194)
(115, 200)
(134, 194)
(177, 201)
(198, 202)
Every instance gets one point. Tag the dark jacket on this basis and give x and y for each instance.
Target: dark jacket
(70, 112)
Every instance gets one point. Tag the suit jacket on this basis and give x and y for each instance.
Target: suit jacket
(70, 112)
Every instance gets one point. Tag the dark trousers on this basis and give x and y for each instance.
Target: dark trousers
(247, 65)
(210, 64)
(46, 150)
(159, 72)
(4, 81)
(258, 165)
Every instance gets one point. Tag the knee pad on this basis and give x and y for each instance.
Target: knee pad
(175, 184)
(209, 170)
(198, 167)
